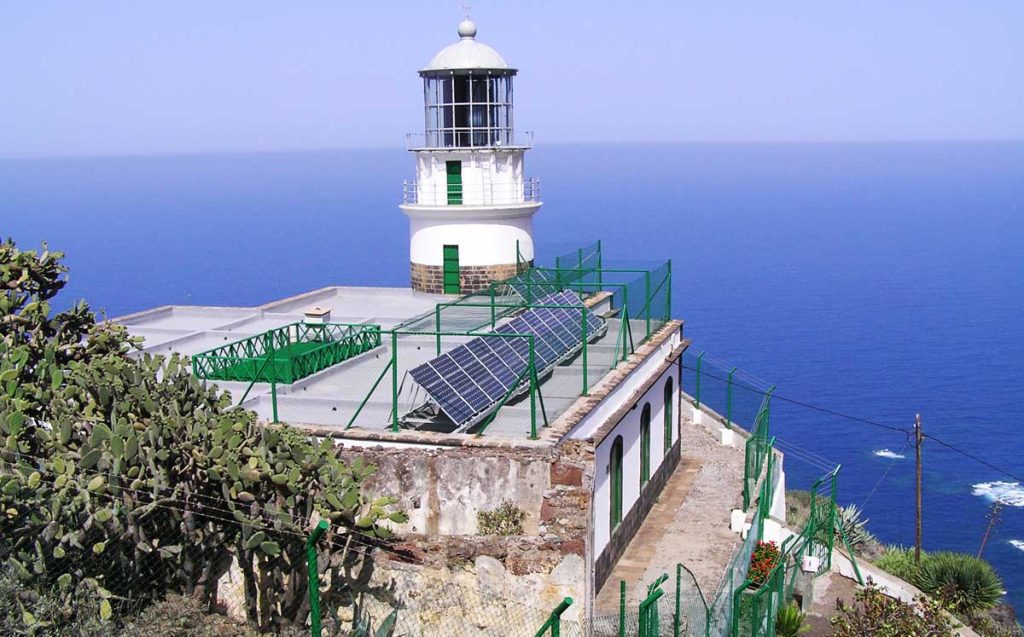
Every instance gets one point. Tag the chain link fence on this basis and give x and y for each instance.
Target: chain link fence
(118, 555)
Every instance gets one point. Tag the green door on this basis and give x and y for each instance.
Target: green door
(645, 444)
(451, 269)
(454, 170)
(616, 485)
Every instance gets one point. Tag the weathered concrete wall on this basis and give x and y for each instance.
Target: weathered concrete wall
(481, 597)
(442, 490)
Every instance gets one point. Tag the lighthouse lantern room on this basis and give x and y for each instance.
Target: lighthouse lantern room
(471, 206)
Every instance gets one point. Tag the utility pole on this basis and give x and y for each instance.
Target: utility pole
(918, 440)
(993, 519)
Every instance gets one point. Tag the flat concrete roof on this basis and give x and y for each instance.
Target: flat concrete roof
(358, 391)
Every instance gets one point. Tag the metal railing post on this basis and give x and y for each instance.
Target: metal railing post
(675, 617)
(600, 265)
(700, 357)
(668, 293)
(394, 380)
(491, 287)
(437, 327)
(583, 319)
(313, 570)
(533, 390)
(647, 301)
(622, 608)
(273, 374)
(728, 404)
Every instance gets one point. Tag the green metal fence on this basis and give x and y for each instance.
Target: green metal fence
(287, 353)
(582, 265)
(378, 393)
(736, 399)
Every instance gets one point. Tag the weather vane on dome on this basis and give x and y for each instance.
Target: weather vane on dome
(466, 8)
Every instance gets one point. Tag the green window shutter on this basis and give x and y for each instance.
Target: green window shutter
(454, 170)
(452, 284)
(668, 415)
(645, 444)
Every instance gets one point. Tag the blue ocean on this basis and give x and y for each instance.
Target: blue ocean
(876, 280)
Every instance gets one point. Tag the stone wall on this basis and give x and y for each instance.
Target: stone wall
(472, 278)
(443, 489)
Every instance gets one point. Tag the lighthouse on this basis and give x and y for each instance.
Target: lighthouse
(471, 205)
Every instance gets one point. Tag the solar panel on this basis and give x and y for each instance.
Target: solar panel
(534, 283)
(468, 381)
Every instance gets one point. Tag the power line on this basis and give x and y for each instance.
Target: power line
(975, 458)
(799, 403)
(865, 421)
(896, 456)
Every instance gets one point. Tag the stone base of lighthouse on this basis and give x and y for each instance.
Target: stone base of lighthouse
(472, 278)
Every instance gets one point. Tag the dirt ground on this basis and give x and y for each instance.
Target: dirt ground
(827, 590)
(698, 537)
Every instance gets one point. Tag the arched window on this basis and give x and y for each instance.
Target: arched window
(616, 485)
(645, 444)
(669, 402)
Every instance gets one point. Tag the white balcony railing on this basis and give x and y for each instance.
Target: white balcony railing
(471, 194)
(469, 138)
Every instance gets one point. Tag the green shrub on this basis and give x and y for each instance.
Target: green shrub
(965, 583)
(875, 614)
(507, 519)
(899, 561)
(790, 622)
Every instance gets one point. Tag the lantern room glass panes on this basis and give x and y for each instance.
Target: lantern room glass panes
(468, 111)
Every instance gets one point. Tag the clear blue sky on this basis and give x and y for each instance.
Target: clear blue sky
(98, 77)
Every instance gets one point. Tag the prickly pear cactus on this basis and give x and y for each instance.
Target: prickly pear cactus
(126, 475)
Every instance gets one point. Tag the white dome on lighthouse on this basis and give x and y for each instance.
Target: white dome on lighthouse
(467, 53)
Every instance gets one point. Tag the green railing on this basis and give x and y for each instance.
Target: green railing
(757, 450)
(287, 353)
(649, 621)
(553, 625)
(581, 265)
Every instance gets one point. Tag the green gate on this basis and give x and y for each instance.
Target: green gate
(451, 270)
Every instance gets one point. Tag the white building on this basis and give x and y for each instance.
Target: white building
(471, 205)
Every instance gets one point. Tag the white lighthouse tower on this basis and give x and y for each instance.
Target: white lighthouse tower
(471, 206)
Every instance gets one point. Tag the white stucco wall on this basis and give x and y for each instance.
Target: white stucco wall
(484, 240)
(629, 429)
(493, 216)
(489, 177)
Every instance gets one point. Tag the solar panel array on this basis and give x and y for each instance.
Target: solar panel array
(469, 380)
(541, 282)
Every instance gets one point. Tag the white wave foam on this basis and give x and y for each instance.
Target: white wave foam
(889, 453)
(1007, 493)
(1017, 544)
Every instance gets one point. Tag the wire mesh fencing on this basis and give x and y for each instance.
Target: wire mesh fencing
(83, 546)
